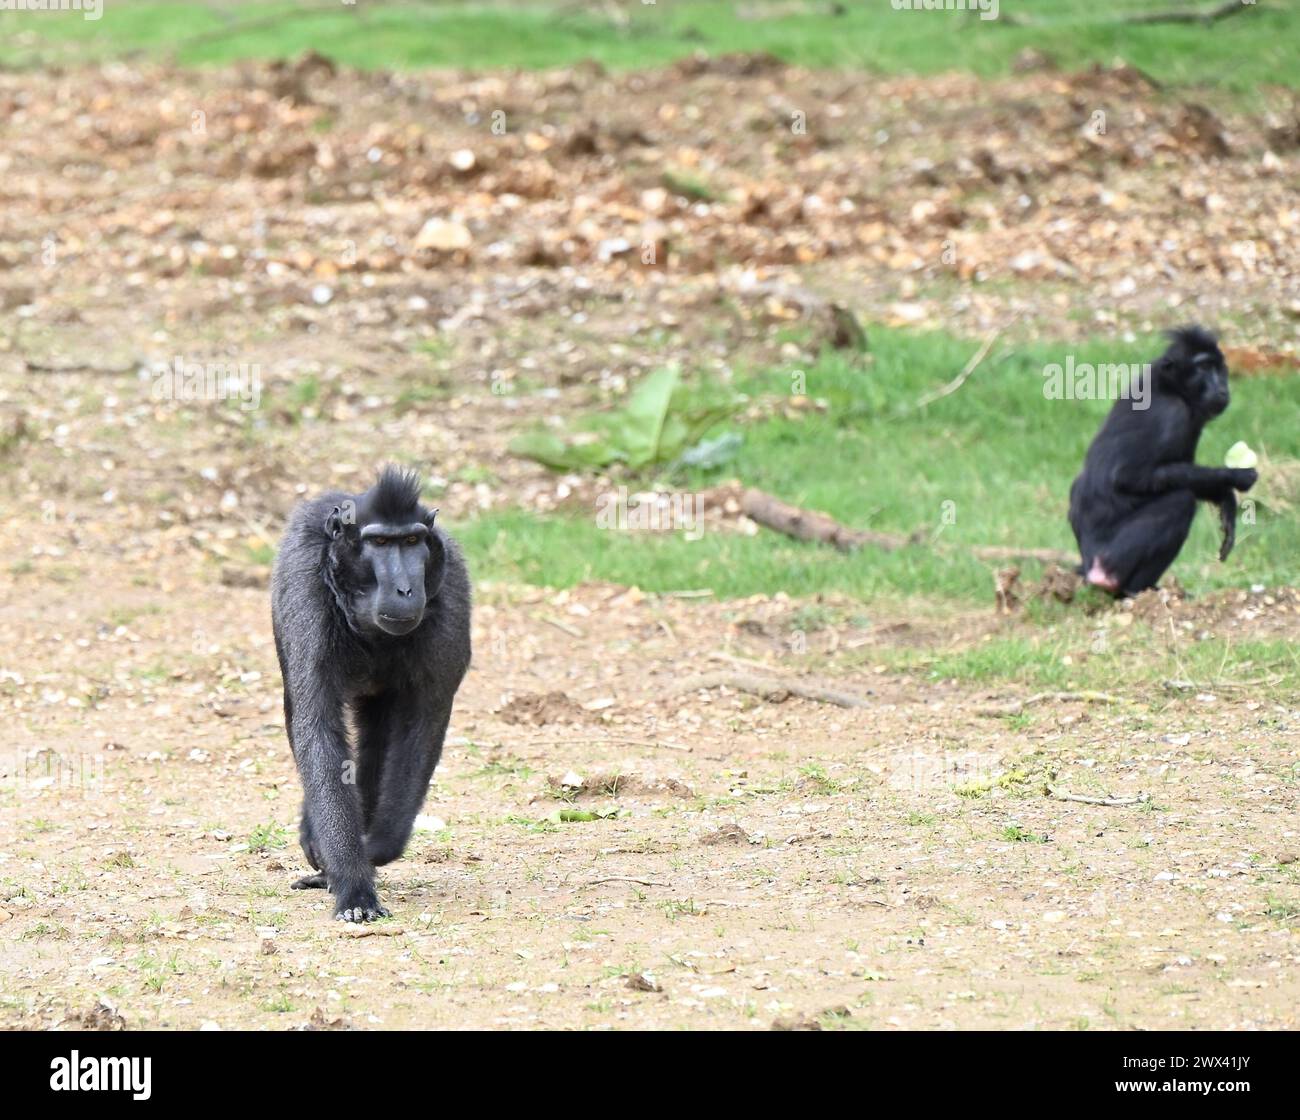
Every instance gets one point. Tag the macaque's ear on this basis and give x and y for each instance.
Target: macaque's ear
(436, 566)
(334, 523)
(433, 514)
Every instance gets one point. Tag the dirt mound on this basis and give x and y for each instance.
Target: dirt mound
(541, 708)
(101, 1017)
(729, 834)
(1258, 612)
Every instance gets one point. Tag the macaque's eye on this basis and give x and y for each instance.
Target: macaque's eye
(379, 542)
(412, 539)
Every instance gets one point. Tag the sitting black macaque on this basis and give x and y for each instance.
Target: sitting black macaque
(370, 605)
(1132, 506)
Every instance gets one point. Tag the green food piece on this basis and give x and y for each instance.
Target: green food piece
(1240, 456)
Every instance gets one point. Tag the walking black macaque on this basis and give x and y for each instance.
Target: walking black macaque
(1132, 506)
(370, 605)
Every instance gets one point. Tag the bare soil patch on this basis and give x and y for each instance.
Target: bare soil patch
(763, 861)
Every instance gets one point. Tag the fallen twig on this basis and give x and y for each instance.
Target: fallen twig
(809, 525)
(78, 367)
(770, 688)
(1206, 16)
(572, 631)
(969, 368)
(1194, 15)
(1110, 802)
(1018, 706)
(626, 879)
(1254, 682)
(571, 740)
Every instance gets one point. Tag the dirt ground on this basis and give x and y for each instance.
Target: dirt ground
(914, 862)
(898, 864)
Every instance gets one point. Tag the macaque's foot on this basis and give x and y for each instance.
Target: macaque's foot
(359, 904)
(362, 913)
(1098, 577)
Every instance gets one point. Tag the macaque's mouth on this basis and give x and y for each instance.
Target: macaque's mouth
(398, 624)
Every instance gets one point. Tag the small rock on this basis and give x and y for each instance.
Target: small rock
(443, 236)
(644, 982)
(727, 834)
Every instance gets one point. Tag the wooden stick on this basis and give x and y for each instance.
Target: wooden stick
(572, 631)
(605, 742)
(770, 688)
(107, 371)
(1202, 15)
(1018, 706)
(809, 525)
(626, 879)
(1109, 802)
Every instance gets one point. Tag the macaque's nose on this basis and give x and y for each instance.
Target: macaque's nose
(404, 592)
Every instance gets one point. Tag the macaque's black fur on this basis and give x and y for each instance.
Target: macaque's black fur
(1132, 506)
(370, 605)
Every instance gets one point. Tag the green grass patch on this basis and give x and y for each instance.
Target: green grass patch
(1018, 835)
(1019, 780)
(1238, 53)
(1058, 659)
(267, 838)
(1282, 909)
(990, 464)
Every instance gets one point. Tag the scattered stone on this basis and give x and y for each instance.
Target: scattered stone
(727, 834)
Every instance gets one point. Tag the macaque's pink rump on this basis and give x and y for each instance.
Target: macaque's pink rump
(1099, 577)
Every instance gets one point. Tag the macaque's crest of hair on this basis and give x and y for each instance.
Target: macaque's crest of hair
(396, 496)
